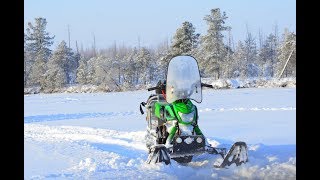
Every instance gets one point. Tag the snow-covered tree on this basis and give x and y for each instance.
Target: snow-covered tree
(143, 63)
(185, 40)
(116, 62)
(37, 46)
(37, 38)
(212, 51)
(82, 71)
(100, 67)
(251, 56)
(91, 64)
(26, 63)
(72, 65)
(38, 69)
(152, 67)
(287, 48)
(54, 79)
(227, 71)
(238, 67)
(162, 55)
(122, 63)
(129, 68)
(105, 74)
(268, 55)
(57, 74)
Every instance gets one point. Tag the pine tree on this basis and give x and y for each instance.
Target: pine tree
(268, 55)
(185, 40)
(162, 56)
(144, 63)
(251, 56)
(72, 65)
(38, 69)
(238, 67)
(26, 63)
(130, 68)
(101, 68)
(82, 71)
(227, 71)
(38, 39)
(37, 46)
(212, 51)
(57, 75)
(91, 64)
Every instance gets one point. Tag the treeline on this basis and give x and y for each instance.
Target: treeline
(119, 68)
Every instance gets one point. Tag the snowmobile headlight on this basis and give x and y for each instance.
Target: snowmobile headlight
(199, 140)
(188, 140)
(178, 140)
(187, 117)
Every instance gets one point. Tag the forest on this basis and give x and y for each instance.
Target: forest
(123, 68)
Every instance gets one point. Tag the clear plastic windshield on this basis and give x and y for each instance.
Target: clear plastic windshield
(183, 80)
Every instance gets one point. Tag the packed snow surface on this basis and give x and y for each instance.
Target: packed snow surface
(101, 135)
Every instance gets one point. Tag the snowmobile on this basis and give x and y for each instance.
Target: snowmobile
(172, 119)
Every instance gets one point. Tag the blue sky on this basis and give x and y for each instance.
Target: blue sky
(154, 21)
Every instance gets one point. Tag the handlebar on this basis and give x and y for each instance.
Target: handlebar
(206, 85)
(157, 87)
(161, 86)
(153, 88)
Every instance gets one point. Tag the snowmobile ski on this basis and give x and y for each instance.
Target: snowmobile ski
(237, 154)
(158, 154)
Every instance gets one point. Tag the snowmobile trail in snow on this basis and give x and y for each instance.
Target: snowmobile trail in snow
(56, 117)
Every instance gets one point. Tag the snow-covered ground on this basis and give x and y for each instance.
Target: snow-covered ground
(101, 135)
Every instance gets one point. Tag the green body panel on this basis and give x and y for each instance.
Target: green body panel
(184, 107)
(157, 107)
(171, 113)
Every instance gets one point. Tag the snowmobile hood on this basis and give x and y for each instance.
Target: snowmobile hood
(183, 106)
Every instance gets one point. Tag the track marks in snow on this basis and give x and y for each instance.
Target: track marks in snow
(56, 117)
(77, 134)
(248, 109)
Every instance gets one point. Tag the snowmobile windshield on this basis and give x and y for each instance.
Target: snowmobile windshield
(183, 80)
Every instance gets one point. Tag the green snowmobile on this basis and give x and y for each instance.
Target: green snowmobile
(173, 131)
